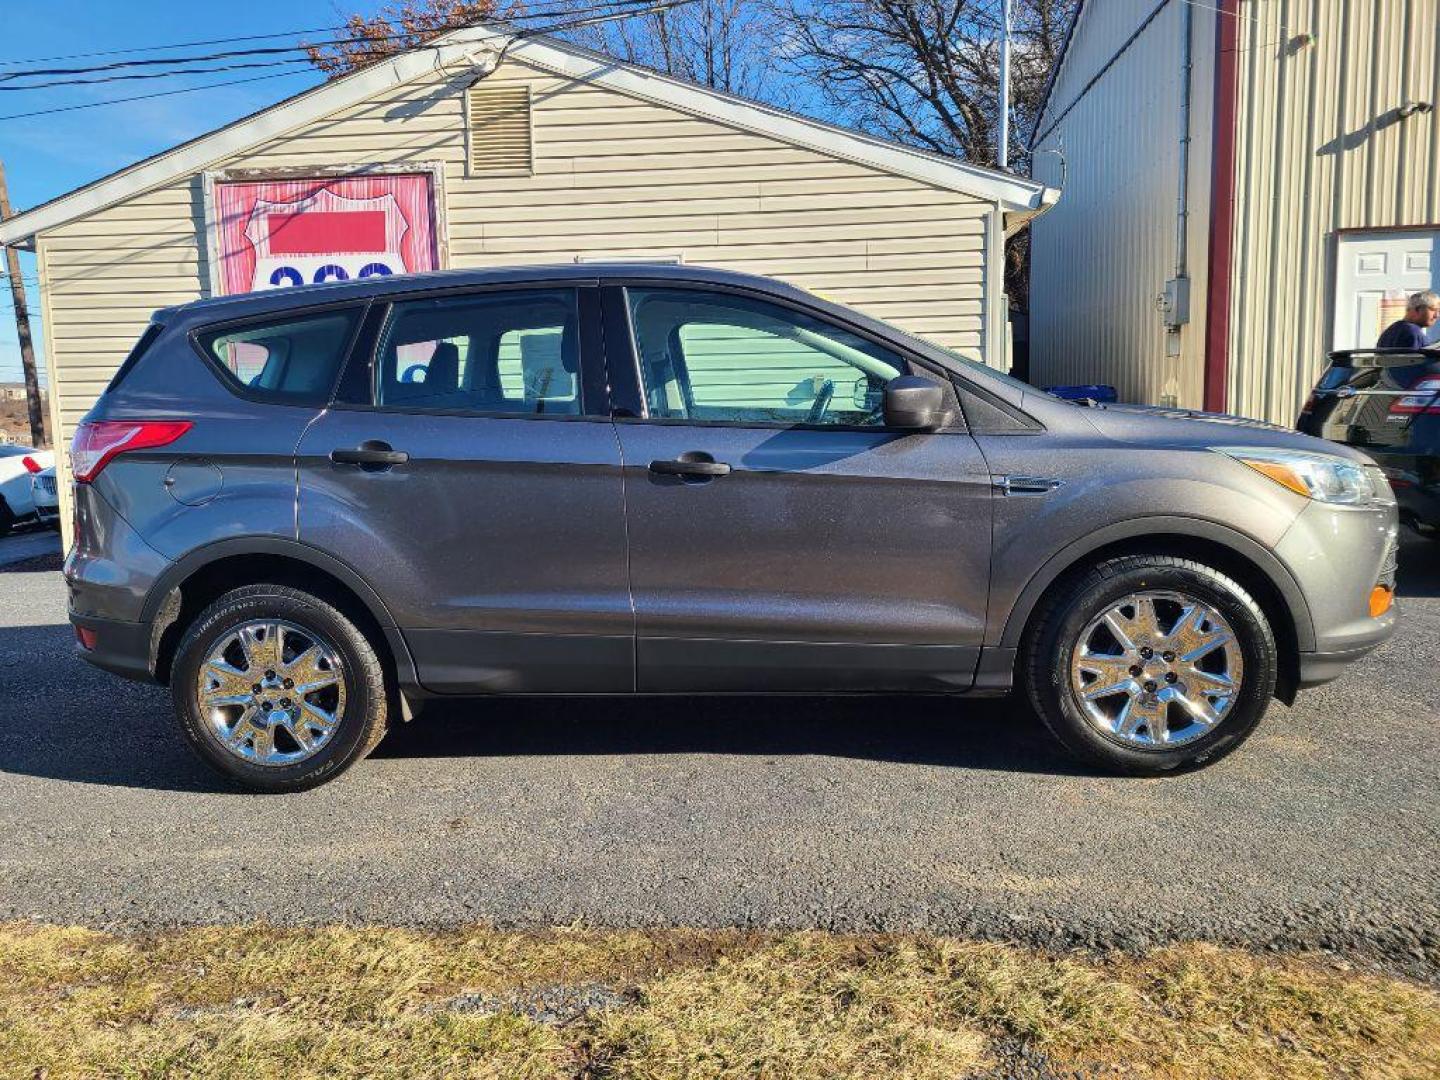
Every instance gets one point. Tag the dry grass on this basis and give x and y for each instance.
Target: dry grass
(341, 1002)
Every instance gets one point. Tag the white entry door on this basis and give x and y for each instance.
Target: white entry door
(1374, 273)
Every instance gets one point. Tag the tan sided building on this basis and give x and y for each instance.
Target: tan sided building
(482, 152)
(1248, 184)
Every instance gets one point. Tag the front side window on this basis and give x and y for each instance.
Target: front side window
(717, 356)
(508, 351)
(294, 359)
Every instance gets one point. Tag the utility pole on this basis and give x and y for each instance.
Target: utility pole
(1002, 148)
(22, 325)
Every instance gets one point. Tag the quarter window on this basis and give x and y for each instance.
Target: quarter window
(507, 351)
(294, 360)
(715, 356)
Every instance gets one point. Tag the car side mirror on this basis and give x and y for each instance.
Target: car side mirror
(915, 403)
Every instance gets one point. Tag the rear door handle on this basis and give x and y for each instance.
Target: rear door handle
(691, 463)
(371, 452)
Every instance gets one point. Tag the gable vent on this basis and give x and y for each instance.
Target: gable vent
(499, 132)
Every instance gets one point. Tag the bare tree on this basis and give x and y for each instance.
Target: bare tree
(394, 29)
(926, 72)
(723, 44)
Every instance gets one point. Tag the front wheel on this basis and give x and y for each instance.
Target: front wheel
(278, 689)
(1150, 664)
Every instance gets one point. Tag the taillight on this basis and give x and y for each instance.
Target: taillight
(98, 441)
(1423, 397)
(31, 465)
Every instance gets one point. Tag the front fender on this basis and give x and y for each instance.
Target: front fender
(1156, 526)
(1111, 493)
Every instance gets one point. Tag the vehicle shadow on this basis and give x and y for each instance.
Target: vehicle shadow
(1419, 572)
(991, 734)
(62, 719)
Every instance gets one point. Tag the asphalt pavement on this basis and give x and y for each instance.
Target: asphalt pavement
(27, 542)
(880, 814)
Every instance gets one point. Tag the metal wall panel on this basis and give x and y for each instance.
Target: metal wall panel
(1321, 147)
(1102, 256)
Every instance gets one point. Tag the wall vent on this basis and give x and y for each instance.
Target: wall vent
(499, 137)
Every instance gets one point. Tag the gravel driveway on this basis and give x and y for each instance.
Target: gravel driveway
(858, 815)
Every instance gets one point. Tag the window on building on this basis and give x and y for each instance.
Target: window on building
(293, 359)
(717, 356)
(500, 352)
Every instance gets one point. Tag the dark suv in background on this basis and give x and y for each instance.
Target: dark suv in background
(1386, 402)
(310, 511)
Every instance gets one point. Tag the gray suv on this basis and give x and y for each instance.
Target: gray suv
(310, 511)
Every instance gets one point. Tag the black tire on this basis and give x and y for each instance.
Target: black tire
(362, 723)
(1069, 609)
(7, 519)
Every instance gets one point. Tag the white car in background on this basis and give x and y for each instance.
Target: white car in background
(46, 497)
(18, 467)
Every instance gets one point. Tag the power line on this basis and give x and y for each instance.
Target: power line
(177, 45)
(144, 97)
(271, 50)
(517, 36)
(157, 74)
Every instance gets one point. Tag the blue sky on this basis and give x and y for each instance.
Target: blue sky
(49, 155)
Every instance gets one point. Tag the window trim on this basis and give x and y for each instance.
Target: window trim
(142, 345)
(528, 169)
(615, 293)
(228, 379)
(592, 385)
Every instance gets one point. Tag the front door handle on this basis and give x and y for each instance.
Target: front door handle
(372, 453)
(691, 463)
(1026, 485)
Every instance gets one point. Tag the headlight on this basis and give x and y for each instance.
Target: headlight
(1323, 477)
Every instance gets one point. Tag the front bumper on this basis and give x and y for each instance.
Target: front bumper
(1339, 555)
(1317, 669)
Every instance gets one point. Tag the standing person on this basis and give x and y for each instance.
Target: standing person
(1409, 333)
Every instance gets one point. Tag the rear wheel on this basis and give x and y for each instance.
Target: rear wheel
(278, 689)
(1151, 664)
(7, 519)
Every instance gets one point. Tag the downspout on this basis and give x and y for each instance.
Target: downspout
(1175, 300)
(1182, 208)
(1222, 207)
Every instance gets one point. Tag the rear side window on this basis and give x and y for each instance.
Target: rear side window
(146, 340)
(294, 360)
(509, 351)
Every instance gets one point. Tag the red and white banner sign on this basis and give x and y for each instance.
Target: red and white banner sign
(277, 234)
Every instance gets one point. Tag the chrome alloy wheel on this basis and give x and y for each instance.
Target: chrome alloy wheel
(1157, 670)
(272, 692)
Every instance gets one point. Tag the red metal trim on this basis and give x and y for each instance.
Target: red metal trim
(1222, 206)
